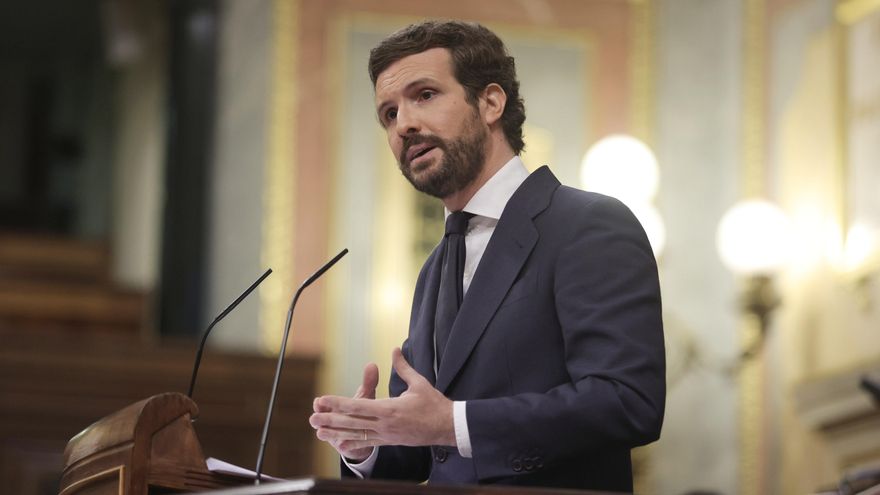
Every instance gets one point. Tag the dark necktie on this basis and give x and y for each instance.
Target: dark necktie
(451, 290)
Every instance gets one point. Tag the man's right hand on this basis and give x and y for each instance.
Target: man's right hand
(367, 390)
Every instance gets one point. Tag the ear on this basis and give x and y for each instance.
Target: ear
(493, 100)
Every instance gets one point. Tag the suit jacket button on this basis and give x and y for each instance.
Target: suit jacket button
(517, 465)
(529, 464)
(539, 463)
(440, 455)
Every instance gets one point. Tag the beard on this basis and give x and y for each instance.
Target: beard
(462, 161)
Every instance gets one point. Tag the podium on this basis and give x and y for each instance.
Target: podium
(150, 447)
(147, 447)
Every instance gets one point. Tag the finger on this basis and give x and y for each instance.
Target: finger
(367, 390)
(403, 369)
(336, 420)
(338, 435)
(332, 403)
(359, 407)
(318, 406)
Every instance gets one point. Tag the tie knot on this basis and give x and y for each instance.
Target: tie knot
(457, 222)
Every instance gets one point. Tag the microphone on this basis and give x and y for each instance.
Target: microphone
(277, 379)
(240, 298)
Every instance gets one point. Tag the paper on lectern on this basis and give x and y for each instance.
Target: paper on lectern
(223, 467)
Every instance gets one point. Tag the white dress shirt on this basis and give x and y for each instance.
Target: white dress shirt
(487, 204)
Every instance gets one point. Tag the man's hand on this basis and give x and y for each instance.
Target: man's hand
(366, 391)
(420, 416)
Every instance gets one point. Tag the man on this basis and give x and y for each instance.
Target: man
(552, 368)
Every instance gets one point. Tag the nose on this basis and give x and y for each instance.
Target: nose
(407, 122)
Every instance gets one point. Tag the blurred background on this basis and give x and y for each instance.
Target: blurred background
(157, 156)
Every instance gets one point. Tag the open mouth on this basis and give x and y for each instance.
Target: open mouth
(418, 150)
(422, 152)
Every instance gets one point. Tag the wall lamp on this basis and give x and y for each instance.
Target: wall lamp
(754, 241)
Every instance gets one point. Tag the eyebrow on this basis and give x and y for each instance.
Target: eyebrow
(418, 82)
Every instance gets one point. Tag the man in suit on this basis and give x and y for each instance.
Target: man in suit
(549, 366)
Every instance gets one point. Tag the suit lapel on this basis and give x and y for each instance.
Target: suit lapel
(422, 328)
(513, 240)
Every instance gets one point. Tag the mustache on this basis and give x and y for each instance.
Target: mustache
(416, 139)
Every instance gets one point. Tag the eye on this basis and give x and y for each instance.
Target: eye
(427, 94)
(390, 115)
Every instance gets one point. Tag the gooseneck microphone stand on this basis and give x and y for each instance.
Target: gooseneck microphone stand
(240, 298)
(280, 364)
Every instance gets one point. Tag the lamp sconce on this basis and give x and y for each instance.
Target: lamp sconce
(754, 241)
(759, 299)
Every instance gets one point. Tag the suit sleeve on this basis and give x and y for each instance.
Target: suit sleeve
(607, 301)
(398, 462)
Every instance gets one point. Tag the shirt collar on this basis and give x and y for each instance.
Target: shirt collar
(490, 200)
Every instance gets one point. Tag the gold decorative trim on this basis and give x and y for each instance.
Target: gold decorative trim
(751, 374)
(843, 116)
(641, 70)
(569, 38)
(642, 105)
(561, 36)
(279, 204)
(849, 12)
(754, 37)
(329, 378)
(72, 489)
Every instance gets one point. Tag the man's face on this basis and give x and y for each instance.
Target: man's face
(438, 137)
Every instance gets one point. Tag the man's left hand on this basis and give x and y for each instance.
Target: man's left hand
(420, 416)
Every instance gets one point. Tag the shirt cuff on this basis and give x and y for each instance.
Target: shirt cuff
(364, 468)
(462, 435)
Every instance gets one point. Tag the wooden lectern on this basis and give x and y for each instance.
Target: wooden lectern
(147, 447)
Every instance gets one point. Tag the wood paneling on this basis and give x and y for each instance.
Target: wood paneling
(53, 282)
(52, 257)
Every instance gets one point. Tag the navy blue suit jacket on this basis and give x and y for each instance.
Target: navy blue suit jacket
(557, 348)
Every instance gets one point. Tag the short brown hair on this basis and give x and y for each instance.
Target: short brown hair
(479, 58)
